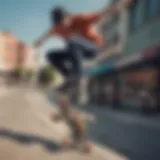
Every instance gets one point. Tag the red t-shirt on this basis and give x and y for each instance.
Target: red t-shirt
(80, 25)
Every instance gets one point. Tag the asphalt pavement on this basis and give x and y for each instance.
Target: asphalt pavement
(134, 135)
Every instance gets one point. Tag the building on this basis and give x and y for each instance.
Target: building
(8, 51)
(14, 54)
(26, 56)
(133, 77)
(139, 67)
(113, 28)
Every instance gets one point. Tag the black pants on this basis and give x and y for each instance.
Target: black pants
(69, 61)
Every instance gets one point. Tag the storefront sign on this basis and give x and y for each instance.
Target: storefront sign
(128, 60)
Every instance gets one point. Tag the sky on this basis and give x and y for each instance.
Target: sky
(28, 19)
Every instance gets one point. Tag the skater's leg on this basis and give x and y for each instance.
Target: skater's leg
(88, 49)
(76, 56)
(81, 50)
(57, 58)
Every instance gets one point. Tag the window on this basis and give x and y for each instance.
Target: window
(135, 20)
(8, 46)
(116, 38)
(153, 7)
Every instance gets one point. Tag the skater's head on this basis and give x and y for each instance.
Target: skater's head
(58, 15)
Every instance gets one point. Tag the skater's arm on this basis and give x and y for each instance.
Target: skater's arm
(44, 37)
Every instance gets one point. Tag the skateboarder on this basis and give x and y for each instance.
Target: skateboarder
(83, 42)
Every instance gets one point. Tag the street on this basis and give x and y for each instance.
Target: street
(26, 131)
(136, 136)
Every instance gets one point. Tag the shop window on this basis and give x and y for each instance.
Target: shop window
(116, 38)
(135, 20)
(8, 46)
(153, 7)
(138, 88)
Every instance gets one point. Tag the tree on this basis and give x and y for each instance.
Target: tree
(46, 75)
(18, 73)
(29, 73)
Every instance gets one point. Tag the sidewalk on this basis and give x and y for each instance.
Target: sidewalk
(62, 130)
(4, 90)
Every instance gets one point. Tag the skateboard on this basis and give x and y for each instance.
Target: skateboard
(69, 144)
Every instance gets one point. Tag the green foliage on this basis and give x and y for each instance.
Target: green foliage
(21, 73)
(18, 73)
(29, 73)
(46, 75)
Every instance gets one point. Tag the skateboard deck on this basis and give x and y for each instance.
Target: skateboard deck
(68, 144)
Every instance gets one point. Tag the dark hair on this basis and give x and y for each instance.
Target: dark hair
(57, 14)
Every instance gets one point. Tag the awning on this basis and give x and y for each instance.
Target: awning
(145, 55)
(100, 69)
(124, 61)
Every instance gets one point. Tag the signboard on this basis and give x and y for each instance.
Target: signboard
(129, 60)
(146, 54)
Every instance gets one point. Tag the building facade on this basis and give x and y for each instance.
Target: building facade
(14, 54)
(113, 28)
(139, 68)
(26, 57)
(133, 77)
(8, 51)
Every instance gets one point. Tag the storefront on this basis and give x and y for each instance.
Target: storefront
(138, 87)
(132, 81)
(107, 90)
(101, 86)
(139, 80)
(93, 90)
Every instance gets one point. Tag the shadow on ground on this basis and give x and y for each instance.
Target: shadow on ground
(29, 139)
(126, 133)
